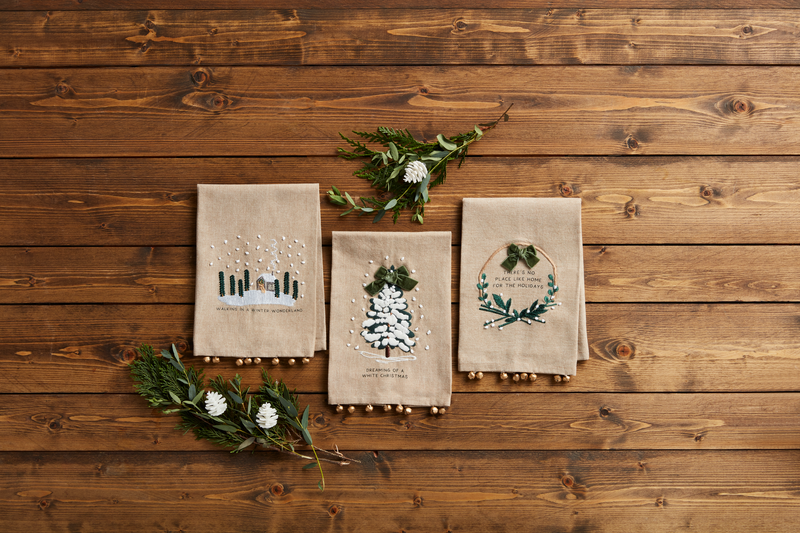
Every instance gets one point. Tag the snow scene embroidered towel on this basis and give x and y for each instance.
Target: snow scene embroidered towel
(390, 337)
(522, 293)
(259, 271)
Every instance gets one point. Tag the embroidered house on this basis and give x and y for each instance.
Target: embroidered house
(265, 283)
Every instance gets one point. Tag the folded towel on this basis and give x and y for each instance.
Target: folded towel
(522, 293)
(390, 336)
(259, 271)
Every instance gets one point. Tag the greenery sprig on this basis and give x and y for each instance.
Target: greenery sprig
(167, 384)
(509, 316)
(383, 168)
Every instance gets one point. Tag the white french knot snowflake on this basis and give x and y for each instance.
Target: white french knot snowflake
(215, 403)
(415, 172)
(267, 416)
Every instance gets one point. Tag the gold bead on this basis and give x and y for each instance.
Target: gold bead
(291, 362)
(239, 362)
(248, 361)
(339, 408)
(351, 409)
(523, 376)
(532, 376)
(276, 361)
(306, 360)
(479, 375)
(387, 407)
(407, 410)
(206, 359)
(557, 378)
(257, 360)
(368, 408)
(434, 410)
(399, 408)
(516, 377)
(503, 375)
(566, 379)
(471, 375)
(442, 411)
(215, 360)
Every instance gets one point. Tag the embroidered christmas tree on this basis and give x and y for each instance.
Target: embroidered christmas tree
(388, 325)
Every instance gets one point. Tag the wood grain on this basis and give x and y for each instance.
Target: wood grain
(556, 421)
(271, 111)
(649, 200)
(612, 491)
(613, 274)
(406, 37)
(633, 348)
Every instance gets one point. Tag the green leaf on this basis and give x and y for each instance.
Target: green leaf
(393, 151)
(174, 397)
(249, 425)
(508, 304)
(198, 397)
(245, 444)
(395, 172)
(192, 391)
(379, 216)
(447, 145)
(335, 190)
(175, 352)
(550, 276)
(294, 424)
(478, 132)
(226, 427)
(287, 405)
(385, 158)
(349, 199)
(498, 301)
(166, 354)
(343, 213)
(249, 403)
(236, 398)
(304, 421)
(176, 364)
(306, 436)
(319, 484)
(310, 465)
(390, 204)
(367, 209)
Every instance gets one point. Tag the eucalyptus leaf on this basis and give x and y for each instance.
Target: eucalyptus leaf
(166, 354)
(226, 427)
(447, 145)
(287, 405)
(198, 397)
(192, 391)
(245, 444)
(393, 151)
(236, 398)
(304, 420)
(395, 172)
(310, 465)
(306, 436)
(349, 199)
(249, 425)
(390, 204)
(379, 216)
(175, 398)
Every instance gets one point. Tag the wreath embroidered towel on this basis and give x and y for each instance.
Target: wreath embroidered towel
(259, 271)
(390, 336)
(522, 292)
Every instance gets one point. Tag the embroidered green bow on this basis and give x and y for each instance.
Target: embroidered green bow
(515, 253)
(397, 277)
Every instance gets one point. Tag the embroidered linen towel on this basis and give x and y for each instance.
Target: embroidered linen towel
(390, 337)
(259, 271)
(522, 292)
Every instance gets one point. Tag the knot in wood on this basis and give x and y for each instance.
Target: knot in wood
(580, 13)
(707, 192)
(145, 47)
(632, 143)
(417, 501)
(200, 77)
(741, 107)
(182, 346)
(747, 30)
(568, 481)
(213, 31)
(276, 489)
(566, 190)
(630, 209)
(128, 355)
(423, 90)
(460, 25)
(623, 350)
(333, 510)
(44, 504)
(659, 502)
(605, 411)
(55, 425)
(150, 25)
(62, 88)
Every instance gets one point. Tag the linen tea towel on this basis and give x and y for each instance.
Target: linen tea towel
(390, 336)
(521, 303)
(259, 287)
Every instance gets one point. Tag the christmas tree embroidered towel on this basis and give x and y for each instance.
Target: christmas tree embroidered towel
(390, 337)
(522, 297)
(259, 271)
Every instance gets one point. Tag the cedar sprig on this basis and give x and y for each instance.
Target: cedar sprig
(384, 169)
(167, 384)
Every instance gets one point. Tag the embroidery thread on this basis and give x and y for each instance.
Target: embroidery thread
(496, 305)
(388, 323)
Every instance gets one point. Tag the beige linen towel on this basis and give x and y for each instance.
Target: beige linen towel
(259, 271)
(531, 318)
(390, 341)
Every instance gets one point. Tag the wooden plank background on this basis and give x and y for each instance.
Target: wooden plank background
(679, 129)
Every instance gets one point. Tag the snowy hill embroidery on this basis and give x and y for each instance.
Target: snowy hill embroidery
(388, 326)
